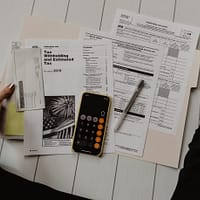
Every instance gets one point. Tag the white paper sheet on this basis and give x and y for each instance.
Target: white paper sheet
(132, 61)
(28, 77)
(98, 78)
(53, 127)
(65, 64)
(179, 43)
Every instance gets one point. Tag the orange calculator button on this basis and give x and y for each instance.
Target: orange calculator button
(96, 145)
(101, 120)
(98, 139)
(99, 133)
(100, 126)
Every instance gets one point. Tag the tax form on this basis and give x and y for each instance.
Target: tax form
(98, 77)
(132, 61)
(70, 68)
(179, 43)
(28, 79)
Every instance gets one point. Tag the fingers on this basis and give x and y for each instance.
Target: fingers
(7, 92)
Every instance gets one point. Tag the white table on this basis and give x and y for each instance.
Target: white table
(113, 177)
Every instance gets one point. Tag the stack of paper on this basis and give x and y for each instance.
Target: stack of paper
(139, 47)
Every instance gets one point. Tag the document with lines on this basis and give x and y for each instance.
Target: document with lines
(28, 78)
(179, 43)
(179, 71)
(132, 61)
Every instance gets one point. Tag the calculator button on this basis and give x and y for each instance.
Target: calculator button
(103, 113)
(89, 118)
(92, 131)
(94, 125)
(91, 138)
(101, 120)
(85, 137)
(83, 117)
(99, 133)
(96, 145)
(100, 126)
(98, 139)
(95, 119)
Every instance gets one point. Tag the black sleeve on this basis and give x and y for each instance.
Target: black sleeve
(188, 185)
(16, 187)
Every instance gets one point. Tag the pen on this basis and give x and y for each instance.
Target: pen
(130, 103)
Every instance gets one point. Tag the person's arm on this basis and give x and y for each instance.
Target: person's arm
(188, 185)
(16, 187)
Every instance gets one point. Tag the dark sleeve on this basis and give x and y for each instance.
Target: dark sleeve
(16, 187)
(188, 185)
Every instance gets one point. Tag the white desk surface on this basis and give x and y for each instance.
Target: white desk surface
(111, 177)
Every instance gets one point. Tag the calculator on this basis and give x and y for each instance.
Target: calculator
(91, 125)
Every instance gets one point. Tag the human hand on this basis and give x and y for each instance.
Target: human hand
(6, 92)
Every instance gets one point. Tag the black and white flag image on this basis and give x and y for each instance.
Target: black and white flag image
(58, 120)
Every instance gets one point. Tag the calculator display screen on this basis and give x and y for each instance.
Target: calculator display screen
(94, 104)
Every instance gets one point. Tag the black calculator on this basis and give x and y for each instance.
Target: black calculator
(91, 124)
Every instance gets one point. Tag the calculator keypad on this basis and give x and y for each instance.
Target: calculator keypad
(90, 132)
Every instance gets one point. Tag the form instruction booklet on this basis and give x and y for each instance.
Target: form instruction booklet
(69, 68)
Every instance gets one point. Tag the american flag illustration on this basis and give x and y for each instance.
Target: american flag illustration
(58, 117)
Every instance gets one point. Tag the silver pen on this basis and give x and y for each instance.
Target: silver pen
(130, 103)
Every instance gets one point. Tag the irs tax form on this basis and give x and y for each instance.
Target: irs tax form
(28, 78)
(132, 61)
(179, 43)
